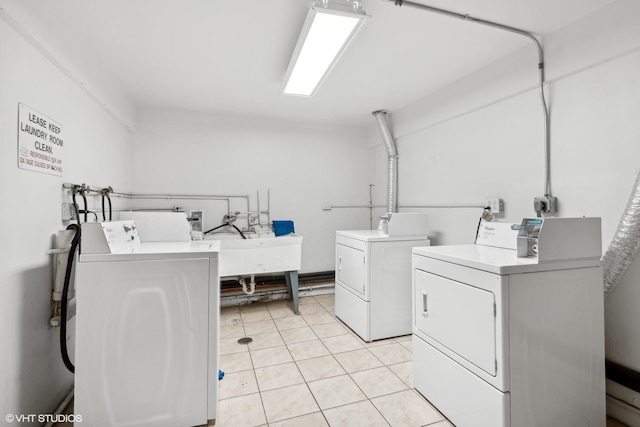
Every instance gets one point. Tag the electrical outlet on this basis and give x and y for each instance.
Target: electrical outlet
(326, 206)
(545, 204)
(495, 204)
(68, 212)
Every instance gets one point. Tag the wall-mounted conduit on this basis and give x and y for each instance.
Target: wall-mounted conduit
(625, 244)
(430, 206)
(464, 17)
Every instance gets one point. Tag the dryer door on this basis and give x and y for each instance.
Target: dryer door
(351, 269)
(457, 316)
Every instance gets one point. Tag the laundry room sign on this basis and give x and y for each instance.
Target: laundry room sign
(40, 142)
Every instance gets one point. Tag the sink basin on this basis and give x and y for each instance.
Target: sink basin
(243, 257)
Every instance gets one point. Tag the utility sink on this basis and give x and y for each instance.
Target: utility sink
(243, 257)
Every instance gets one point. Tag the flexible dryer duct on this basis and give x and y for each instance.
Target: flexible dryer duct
(392, 160)
(625, 243)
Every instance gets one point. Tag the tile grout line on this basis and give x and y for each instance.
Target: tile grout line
(333, 355)
(253, 367)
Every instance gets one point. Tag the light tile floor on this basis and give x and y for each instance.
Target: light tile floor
(311, 370)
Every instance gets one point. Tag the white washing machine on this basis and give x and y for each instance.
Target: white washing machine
(146, 330)
(503, 340)
(373, 282)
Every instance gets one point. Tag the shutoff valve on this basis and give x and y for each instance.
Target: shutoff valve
(545, 204)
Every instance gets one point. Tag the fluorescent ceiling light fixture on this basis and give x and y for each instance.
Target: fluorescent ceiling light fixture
(325, 35)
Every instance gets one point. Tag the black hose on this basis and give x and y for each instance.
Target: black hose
(238, 230)
(215, 228)
(105, 193)
(110, 210)
(104, 216)
(480, 222)
(477, 230)
(75, 206)
(65, 296)
(90, 212)
(84, 197)
(226, 224)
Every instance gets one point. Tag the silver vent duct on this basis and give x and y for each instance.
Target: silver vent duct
(625, 243)
(392, 160)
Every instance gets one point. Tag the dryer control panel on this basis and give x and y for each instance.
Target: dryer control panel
(528, 237)
(557, 239)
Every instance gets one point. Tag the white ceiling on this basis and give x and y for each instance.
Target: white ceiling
(230, 56)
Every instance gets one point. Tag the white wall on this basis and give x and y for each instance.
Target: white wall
(33, 379)
(301, 166)
(479, 138)
(483, 137)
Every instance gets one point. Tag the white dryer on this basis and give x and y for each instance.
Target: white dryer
(146, 330)
(501, 340)
(373, 282)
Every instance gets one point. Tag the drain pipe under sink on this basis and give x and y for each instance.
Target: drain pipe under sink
(252, 284)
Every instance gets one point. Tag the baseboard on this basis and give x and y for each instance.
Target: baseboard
(239, 298)
(62, 406)
(623, 412)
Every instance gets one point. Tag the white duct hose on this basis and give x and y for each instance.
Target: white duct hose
(625, 243)
(392, 160)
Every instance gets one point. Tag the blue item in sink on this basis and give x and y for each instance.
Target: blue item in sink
(280, 228)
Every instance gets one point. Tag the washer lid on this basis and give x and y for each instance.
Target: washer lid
(159, 250)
